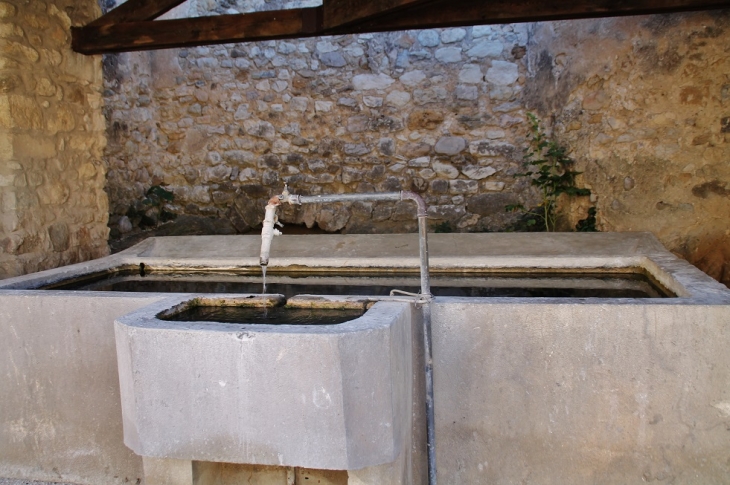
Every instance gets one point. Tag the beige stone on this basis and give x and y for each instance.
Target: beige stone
(7, 10)
(26, 113)
(33, 146)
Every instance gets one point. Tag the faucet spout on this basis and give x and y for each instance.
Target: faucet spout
(268, 230)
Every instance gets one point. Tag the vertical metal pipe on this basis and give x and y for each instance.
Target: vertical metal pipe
(428, 358)
(424, 300)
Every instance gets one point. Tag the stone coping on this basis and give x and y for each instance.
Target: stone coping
(447, 252)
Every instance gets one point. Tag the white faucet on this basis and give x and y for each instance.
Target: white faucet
(269, 231)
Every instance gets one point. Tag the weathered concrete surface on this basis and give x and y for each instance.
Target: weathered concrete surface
(60, 411)
(576, 393)
(535, 391)
(334, 396)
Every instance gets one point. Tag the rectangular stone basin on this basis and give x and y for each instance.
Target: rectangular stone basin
(314, 396)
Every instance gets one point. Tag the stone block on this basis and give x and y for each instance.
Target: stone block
(502, 72)
(461, 186)
(449, 36)
(428, 38)
(450, 145)
(476, 172)
(444, 169)
(448, 55)
(367, 82)
(413, 78)
(486, 48)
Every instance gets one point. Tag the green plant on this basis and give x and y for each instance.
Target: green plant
(550, 170)
(151, 210)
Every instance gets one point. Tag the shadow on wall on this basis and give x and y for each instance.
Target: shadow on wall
(713, 257)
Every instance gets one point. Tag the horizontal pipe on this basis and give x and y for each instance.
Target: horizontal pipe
(329, 198)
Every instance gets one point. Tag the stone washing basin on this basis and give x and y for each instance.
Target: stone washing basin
(314, 396)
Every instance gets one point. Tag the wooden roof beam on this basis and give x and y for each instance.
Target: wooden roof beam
(133, 29)
(340, 13)
(217, 29)
(453, 13)
(136, 11)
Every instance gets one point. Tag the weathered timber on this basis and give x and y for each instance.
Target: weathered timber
(132, 35)
(338, 13)
(453, 13)
(164, 34)
(136, 11)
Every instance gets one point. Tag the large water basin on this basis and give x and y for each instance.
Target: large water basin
(573, 388)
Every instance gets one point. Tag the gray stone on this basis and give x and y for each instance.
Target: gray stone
(428, 38)
(412, 78)
(60, 236)
(299, 103)
(402, 61)
(349, 102)
(357, 124)
(260, 129)
(367, 82)
(214, 157)
(507, 107)
(502, 72)
(372, 101)
(263, 75)
(350, 174)
(332, 59)
(440, 186)
(419, 162)
(445, 169)
(124, 225)
(398, 98)
(471, 74)
(475, 172)
(486, 48)
(466, 93)
(242, 113)
(463, 186)
(356, 149)
(482, 30)
(450, 145)
(326, 46)
(386, 146)
(448, 54)
(449, 36)
(286, 47)
(448, 212)
(323, 106)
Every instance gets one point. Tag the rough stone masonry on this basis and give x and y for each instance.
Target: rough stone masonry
(53, 209)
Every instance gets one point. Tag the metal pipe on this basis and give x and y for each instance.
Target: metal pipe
(424, 298)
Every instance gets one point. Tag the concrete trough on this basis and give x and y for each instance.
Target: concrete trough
(316, 396)
(534, 390)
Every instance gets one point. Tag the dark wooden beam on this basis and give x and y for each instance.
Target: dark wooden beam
(453, 13)
(136, 11)
(218, 29)
(125, 30)
(338, 13)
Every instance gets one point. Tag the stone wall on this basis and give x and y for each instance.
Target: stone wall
(53, 209)
(641, 102)
(644, 103)
(225, 127)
